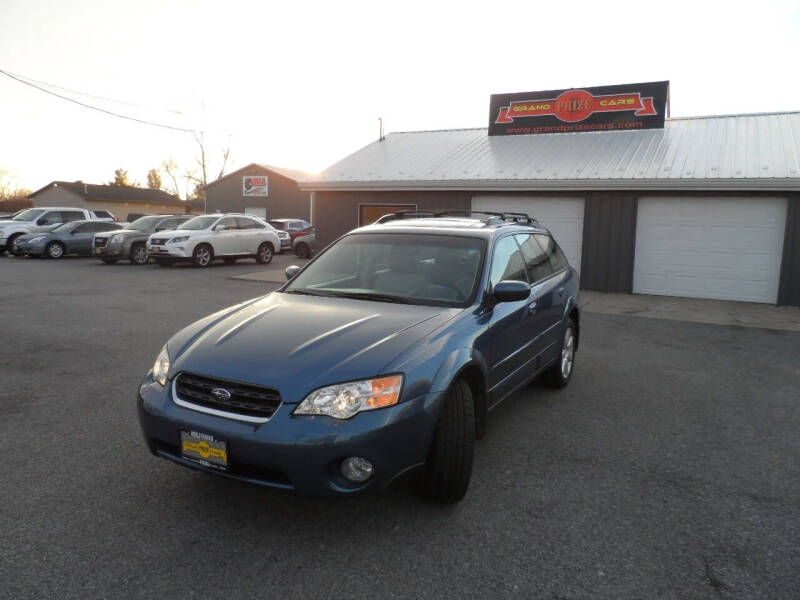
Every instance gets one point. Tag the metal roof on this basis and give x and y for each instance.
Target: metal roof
(755, 151)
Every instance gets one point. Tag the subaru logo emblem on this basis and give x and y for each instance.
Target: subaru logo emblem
(221, 394)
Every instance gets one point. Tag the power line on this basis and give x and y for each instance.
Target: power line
(97, 108)
(87, 95)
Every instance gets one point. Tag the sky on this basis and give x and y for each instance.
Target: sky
(302, 84)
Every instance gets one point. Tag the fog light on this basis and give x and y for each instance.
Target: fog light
(357, 469)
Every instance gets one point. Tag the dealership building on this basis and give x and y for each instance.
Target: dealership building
(260, 190)
(703, 207)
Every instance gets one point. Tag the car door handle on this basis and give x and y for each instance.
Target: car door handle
(532, 307)
(561, 291)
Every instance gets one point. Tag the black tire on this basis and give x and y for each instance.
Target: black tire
(449, 465)
(202, 256)
(265, 253)
(10, 244)
(230, 260)
(109, 261)
(138, 255)
(302, 250)
(163, 262)
(55, 250)
(558, 376)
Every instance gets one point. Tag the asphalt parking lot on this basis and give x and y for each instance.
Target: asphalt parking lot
(669, 468)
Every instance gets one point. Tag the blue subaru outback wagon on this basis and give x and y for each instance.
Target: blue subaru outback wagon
(380, 359)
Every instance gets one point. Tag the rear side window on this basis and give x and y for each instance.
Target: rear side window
(85, 228)
(507, 263)
(103, 214)
(536, 263)
(280, 225)
(554, 254)
(68, 216)
(245, 223)
(105, 227)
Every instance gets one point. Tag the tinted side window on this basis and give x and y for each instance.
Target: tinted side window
(536, 261)
(68, 216)
(51, 217)
(554, 254)
(106, 226)
(507, 263)
(228, 223)
(245, 223)
(85, 228)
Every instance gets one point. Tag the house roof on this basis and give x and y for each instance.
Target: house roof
(113, 193)
(292, 174)
(755, 151)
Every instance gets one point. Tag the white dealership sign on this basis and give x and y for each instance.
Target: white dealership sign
(255, 185)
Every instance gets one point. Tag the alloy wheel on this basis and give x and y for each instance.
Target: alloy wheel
(567, 353)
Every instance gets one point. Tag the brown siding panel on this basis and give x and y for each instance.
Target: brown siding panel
(609, 241)
(336, 213)
(285, 197)
(789, 287)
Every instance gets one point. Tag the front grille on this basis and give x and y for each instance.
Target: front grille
(100, 242)
(245, 398)
(158, 241)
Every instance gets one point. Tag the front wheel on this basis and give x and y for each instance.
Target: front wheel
(449, 465)
(302, 250)
(559, 374)
(264, 254)
(138, 255)
(54, 249)
(202, 255)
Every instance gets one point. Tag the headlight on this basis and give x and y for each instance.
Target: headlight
(38, 238)
(344, 400)
(178, 239)
(115, 239)
(161, 367)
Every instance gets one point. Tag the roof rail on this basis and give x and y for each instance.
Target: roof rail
(514, 217)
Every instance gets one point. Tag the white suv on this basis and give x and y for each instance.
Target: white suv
(204, 238)
(34, 220)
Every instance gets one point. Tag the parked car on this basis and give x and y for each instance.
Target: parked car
(304, 244)
(294, 227)
(381, 356)
(130, 243)
(33, 220)
(202, 239)
(70, 238)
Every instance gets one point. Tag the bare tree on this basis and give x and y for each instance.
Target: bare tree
(201, 179)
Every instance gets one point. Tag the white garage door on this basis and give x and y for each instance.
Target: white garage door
(724, 248)
(256, 211)
(562, 216)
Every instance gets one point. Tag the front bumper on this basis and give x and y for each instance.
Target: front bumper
(36, 249)
(301, 453)
(172, 252)
(286, 243)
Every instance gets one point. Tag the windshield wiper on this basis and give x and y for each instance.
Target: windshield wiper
(306, 292)
(370, 296)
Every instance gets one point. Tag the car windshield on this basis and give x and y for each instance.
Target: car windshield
(199, 223)
(28, 215)
(145, 223)
(425, 269)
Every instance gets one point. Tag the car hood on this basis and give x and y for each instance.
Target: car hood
(125, 232)
(17, 223)
(168, 233)
(298, 343)
(29, 236)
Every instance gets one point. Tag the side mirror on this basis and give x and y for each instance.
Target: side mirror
(291, 272)
(218, 228)
(511, 291)
(42, 222)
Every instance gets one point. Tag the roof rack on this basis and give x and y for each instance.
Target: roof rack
(493, 216)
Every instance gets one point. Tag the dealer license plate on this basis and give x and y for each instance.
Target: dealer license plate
(204, 449)
(155, 248)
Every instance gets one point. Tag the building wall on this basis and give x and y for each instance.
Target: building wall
(609, 229)
(58, 196)
(121, 210)
(789, 288)
(284, 200)
(336, 213)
